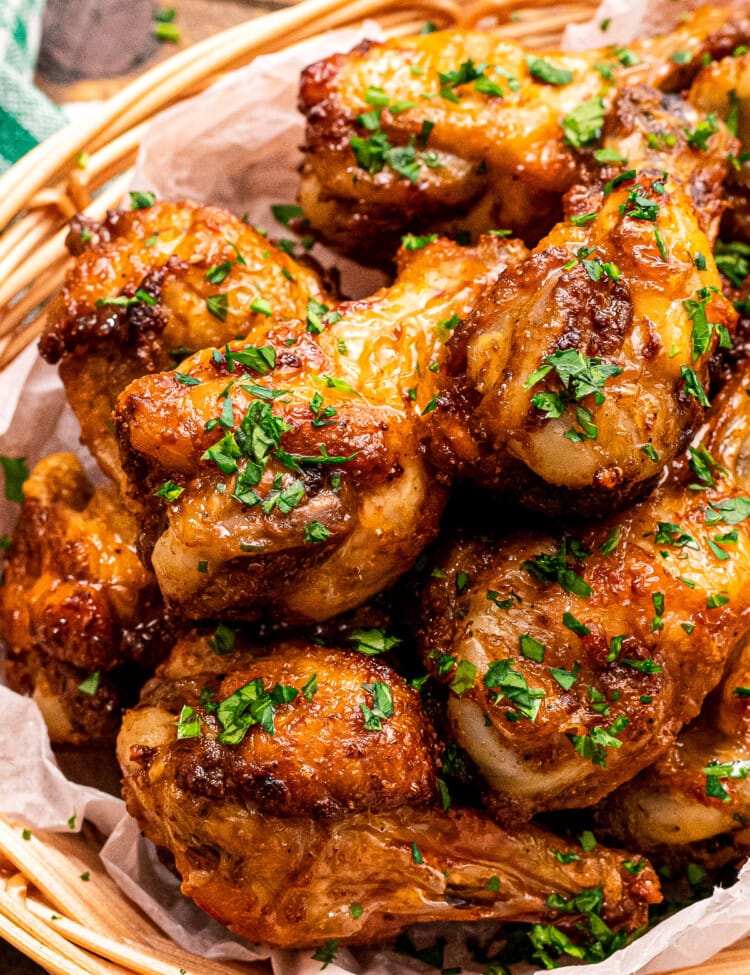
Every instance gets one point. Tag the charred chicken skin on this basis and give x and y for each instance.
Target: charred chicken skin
(297, 793)
(75, 602)
(575, 662)
(295, 482)
(149, 287)
(581, 371)
(462, 129)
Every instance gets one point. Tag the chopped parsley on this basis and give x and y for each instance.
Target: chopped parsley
(494, 597)
(169, 490)
(284, 213)
(315, 533)
(565, 678)
(249, 706)
(716, 771)
(382, 705)
(218, 273)
(556, 567)
(698, 137)
(414, 243)
(531, 648)
(372, 642)
(259, 305)
(217, 305)
(91, 684)
(593, 746)
(692, 385)
(222, 641)
(140, 200)
(509, 683)
(140, 297)
(543, 70)
(580, 376)
(575, 625)
(733, 260)
(16, 471)
(327, 953)
(464, 678)
(609, 156)
(188, 724)
(583, 125)
(731, 511)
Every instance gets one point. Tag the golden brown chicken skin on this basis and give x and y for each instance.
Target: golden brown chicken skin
(76, 602)
(581, 372)
(297, 482)
(462, 129)
(697, 792)
(150, 286)
(575, 662)
(309, 812)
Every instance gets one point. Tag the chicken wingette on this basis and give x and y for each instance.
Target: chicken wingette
(76, 603)
(284, 474)
(575, 660)
(150, 286)
(298, 794)
(464, 130)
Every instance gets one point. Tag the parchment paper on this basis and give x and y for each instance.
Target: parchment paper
(236, 145)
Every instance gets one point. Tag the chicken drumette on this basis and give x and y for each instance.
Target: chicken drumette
(284, 473)
(581, 372)
(575, 661)
(149, 287)
(298, 795)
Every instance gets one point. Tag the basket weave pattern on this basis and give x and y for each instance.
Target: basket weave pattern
(57, 904)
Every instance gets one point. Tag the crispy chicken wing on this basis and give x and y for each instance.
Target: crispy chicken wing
(581, 371)
(295, 483)
(149, 287)
(462, 129)
(297, 794)
(574, 663)
(698, 789)
(75, 601)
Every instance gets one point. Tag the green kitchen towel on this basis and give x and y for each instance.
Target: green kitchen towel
(26, 115)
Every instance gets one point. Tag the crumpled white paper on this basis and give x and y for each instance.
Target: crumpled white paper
(236, 145)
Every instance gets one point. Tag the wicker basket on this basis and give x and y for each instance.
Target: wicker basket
(67, 926)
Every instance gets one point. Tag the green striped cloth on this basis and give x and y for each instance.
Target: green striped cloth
(26, 115)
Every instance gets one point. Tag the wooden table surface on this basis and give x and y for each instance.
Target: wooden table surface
(91, 49)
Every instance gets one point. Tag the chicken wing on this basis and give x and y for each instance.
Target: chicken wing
(294, 479)
(581, 372)
(462, 129)
(76, 603)
(297, 793)
(575, 662)
(697, 791)
(150, 286)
